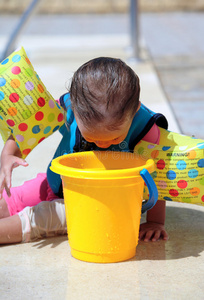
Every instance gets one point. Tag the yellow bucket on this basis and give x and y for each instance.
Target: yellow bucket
(103, 194)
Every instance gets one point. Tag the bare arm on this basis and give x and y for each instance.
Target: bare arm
(10, 159)
(10, 148)
(158, 213)
(154, 229)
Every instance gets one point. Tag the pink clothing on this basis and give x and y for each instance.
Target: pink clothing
(30, 193)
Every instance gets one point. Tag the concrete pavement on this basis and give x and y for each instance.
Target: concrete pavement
(175, 43)
(45, 269)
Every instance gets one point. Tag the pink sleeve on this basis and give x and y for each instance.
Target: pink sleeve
(153, 135)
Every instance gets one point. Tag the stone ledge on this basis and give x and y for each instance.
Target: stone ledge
(100, 6)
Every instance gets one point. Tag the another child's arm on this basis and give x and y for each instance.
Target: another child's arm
(10, 159)
(154, 229)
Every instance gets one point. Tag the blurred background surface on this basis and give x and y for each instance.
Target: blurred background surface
(170, 30)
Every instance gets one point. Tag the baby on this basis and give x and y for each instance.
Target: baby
(103, 112)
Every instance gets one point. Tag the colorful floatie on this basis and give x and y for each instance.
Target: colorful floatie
(27, 110)
(179, 160)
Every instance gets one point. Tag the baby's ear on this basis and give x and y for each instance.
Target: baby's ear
(27, 109)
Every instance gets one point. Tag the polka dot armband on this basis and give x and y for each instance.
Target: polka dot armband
(179, 160)
(27, 110)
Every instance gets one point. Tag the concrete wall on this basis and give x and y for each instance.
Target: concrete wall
(99, 6)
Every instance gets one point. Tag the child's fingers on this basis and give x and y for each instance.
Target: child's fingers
(1, 192)
(164, 235)
(145, 235)
(5, 176)
(141, 234)
(20, 162)
(7, 182)
(7, 189)
(2, 185)
(148, 235)
(156, 236)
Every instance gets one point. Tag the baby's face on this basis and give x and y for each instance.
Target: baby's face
(103, 137)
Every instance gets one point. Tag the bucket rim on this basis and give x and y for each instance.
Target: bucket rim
(73, 172)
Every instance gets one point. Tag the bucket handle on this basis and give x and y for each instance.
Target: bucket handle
(153, 192)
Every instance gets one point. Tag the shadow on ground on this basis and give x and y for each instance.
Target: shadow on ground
(185, 227)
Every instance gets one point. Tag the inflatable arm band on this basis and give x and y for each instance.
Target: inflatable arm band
(179, 161)
(27, 110)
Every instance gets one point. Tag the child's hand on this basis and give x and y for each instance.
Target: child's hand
(152, 231)
(7, 165)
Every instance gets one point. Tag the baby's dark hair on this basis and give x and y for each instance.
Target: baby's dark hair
(104, 89)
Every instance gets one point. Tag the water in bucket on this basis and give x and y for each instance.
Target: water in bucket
(103, 194)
